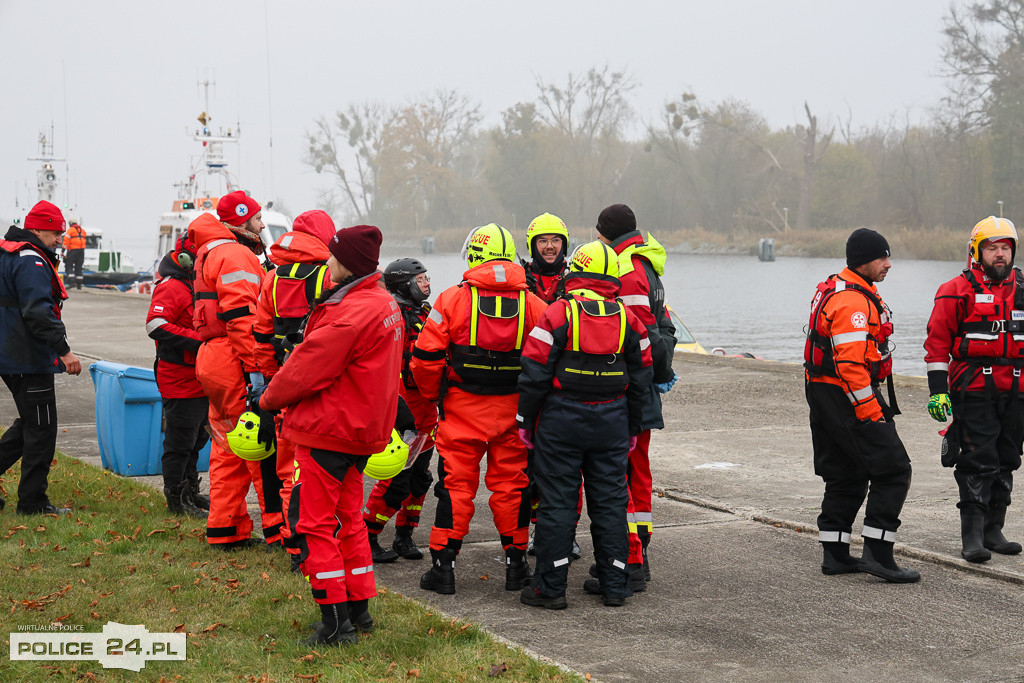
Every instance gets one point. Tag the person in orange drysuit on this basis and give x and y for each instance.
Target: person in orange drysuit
(467, 359)
(227, 285)
(74, 255)
(340, 386)
(286, 295)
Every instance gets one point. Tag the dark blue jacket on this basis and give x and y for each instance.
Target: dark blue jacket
(32, 336)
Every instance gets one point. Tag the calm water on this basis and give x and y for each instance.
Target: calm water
(743, 305)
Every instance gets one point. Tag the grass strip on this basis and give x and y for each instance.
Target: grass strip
(121, 557)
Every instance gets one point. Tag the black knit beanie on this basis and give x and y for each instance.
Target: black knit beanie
(864, 246)
(615, 221)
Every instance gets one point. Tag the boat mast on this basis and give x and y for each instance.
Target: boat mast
(46, 176)
(212, 161)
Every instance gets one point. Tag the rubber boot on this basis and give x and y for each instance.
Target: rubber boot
(440, 578)
(180, 503)
(335, 627)
(534, 598)
(403, 544)
(972, 526)
(837, 560)
(645, 540)
(359, 614)
(993, 538)
(296, 563)
(878, 561)
(380, 555)
(517, 569)
(198, 499)
(593, 586)
(2, 503)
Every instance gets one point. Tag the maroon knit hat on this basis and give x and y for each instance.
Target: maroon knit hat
(235, 208)
(357, 248)
(45, 216)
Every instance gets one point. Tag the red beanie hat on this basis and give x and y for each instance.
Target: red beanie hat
(316, 223)
(45, 216)
(357, 248)
(236, 208)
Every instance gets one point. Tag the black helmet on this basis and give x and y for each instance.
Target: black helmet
(400, 276)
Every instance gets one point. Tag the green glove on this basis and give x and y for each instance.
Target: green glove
(939, 406)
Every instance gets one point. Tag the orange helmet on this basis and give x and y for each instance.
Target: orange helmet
(991, 228)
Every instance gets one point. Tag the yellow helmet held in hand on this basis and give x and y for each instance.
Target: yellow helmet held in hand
(595, 257)
(546, 224)
(991, 228)
(389, 462)
(242, 439)
(490, 242)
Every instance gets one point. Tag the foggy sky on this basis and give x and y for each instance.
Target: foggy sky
(118, 80)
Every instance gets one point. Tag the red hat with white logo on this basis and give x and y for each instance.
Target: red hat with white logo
(45, 216)
(235, 208)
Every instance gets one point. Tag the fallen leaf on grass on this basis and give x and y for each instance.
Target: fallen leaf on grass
(498, 669)
(94, 615)
(60, 619)
(431, 631)
(156, 531)
(412, 673)
(587, 676)
(41, 527)
(132, 569)
(180, 628)
(390, 667)
(84, 563)
(307, 658)
(212, 627)
(309, 677)
(265, 576)
(465, 626)
(174, 588)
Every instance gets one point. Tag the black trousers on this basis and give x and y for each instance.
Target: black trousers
(185, 435)
(991, 432)
(73, 261)
(855, 459)
(32, 438)
(590, 441)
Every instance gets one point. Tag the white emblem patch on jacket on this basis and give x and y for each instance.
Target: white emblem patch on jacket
(858, 319)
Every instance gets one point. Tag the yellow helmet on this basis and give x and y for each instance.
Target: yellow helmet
(991, 228)
(595, 257)
(546, 224)
(242, 439)
(490, 242)
(389, 462)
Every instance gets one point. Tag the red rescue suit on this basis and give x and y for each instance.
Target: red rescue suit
(340, 388)
(287, 294)
(976, 333)
(405, 493)
(467, 357)
(227, 285)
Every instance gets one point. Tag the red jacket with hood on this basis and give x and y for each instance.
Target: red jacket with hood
(340, 384)
(305, 243)
(169, 324)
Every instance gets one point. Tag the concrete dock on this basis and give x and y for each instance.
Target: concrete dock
(737, 593)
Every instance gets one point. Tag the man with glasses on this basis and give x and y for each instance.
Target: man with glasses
(33, 348)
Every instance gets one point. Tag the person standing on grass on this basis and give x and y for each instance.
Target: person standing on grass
(33, 348)
(340, 388)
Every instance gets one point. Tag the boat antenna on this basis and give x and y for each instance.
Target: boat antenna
(67, 136)
(270, 99)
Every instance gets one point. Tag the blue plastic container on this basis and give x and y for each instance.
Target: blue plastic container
(129, 419)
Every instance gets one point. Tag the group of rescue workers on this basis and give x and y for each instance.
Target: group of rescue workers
(313, 367)
(551, 368)
(974, 355)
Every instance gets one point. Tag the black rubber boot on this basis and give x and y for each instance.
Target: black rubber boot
(403, 544)
(2, 503)
(878, 561)
(636, 578)
(440, 578)
(993, 538)
(198, 499)
(296, 564)
(335, 627)
(517, 569)
(836, 559)
(972, 526)
(534, 598)
(593, 586)
(645, 540)
(179, 502)
(380, 555)
(359, 614)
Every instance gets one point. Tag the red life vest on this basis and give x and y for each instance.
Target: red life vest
(485, 359)
(59, 293)
(819, 358)
(991, 333)
(296, 286)
(592, 367)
